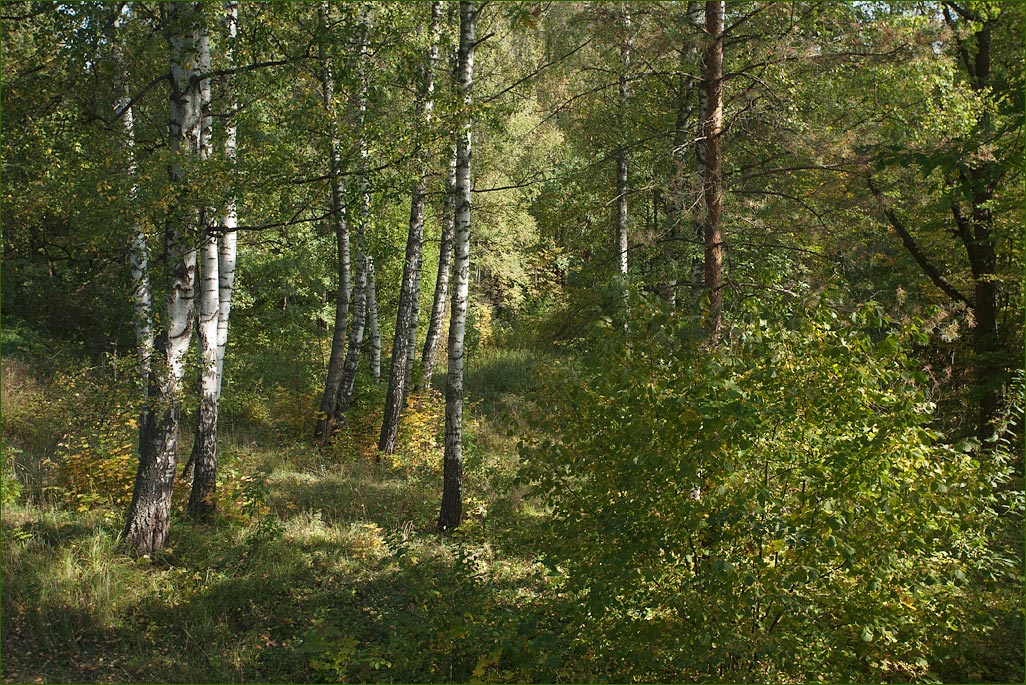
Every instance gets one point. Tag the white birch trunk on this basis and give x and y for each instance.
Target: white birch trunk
(372, 321)
(451, 513)
(442, 280)
(148, 522)
(204, 448)
(138, 258)
(621, 154)
(229, 218)
(336, 358)
(363, 263)
(217, 278)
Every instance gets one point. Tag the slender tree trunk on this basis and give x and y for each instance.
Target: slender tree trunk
(336, 359)
(983, 256)
(451, 513)
(679, 218)
(138, 258)
(976, 229)
(442, 280)
(149, 516)
(363, 263)
(204, 447)
(713, 178)
(372, 321)
(229, 218)
(984, 265)
(217, 250)
(347, 384)
(403, 342)
(621, 153)
(696, 18)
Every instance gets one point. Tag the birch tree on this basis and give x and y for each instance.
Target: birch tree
(229, 218)
(340, 227)
(148, 521)
(373, 332)
(217, 277)
(451, 513)
(409, 294)
(364, 265)
(138, 255)
(440, 298)
(623, 85)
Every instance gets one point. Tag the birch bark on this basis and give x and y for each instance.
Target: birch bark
(227, 256)
(442, 280)
(409, 294)
(340, 224)
(138, 260)
(148, 521)
(363, 262)
(217, 278)
(621, 153)
(451, 513)
(372, 321)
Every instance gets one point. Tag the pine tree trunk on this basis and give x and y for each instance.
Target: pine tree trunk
(451, 514)
(149, 516)
(336, 359)
(441, 297)
(713, 180)
(405, 337)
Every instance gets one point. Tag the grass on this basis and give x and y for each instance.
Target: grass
(324, 565)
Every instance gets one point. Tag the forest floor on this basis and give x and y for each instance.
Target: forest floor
(323, 565)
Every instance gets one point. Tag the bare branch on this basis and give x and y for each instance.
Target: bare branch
(913, 248)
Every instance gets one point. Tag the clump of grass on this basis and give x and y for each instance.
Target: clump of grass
(497, 371)
(65, 580)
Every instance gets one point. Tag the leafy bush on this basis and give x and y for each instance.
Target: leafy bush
(70, 428)
(96, 456)
(10, 486)
(777, 508)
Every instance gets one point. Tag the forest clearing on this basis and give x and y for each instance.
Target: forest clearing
(512, 342)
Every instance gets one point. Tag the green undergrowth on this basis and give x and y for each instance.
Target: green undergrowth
(323, 565)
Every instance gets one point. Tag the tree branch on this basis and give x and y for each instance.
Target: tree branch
(536, 71)
(913, 248)
(121, 112)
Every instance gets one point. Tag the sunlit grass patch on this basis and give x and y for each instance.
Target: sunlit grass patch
(65, 578)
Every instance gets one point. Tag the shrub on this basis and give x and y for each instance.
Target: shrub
(777, 508)
(97, 453)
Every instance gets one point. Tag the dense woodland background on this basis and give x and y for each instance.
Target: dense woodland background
(584, 341)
